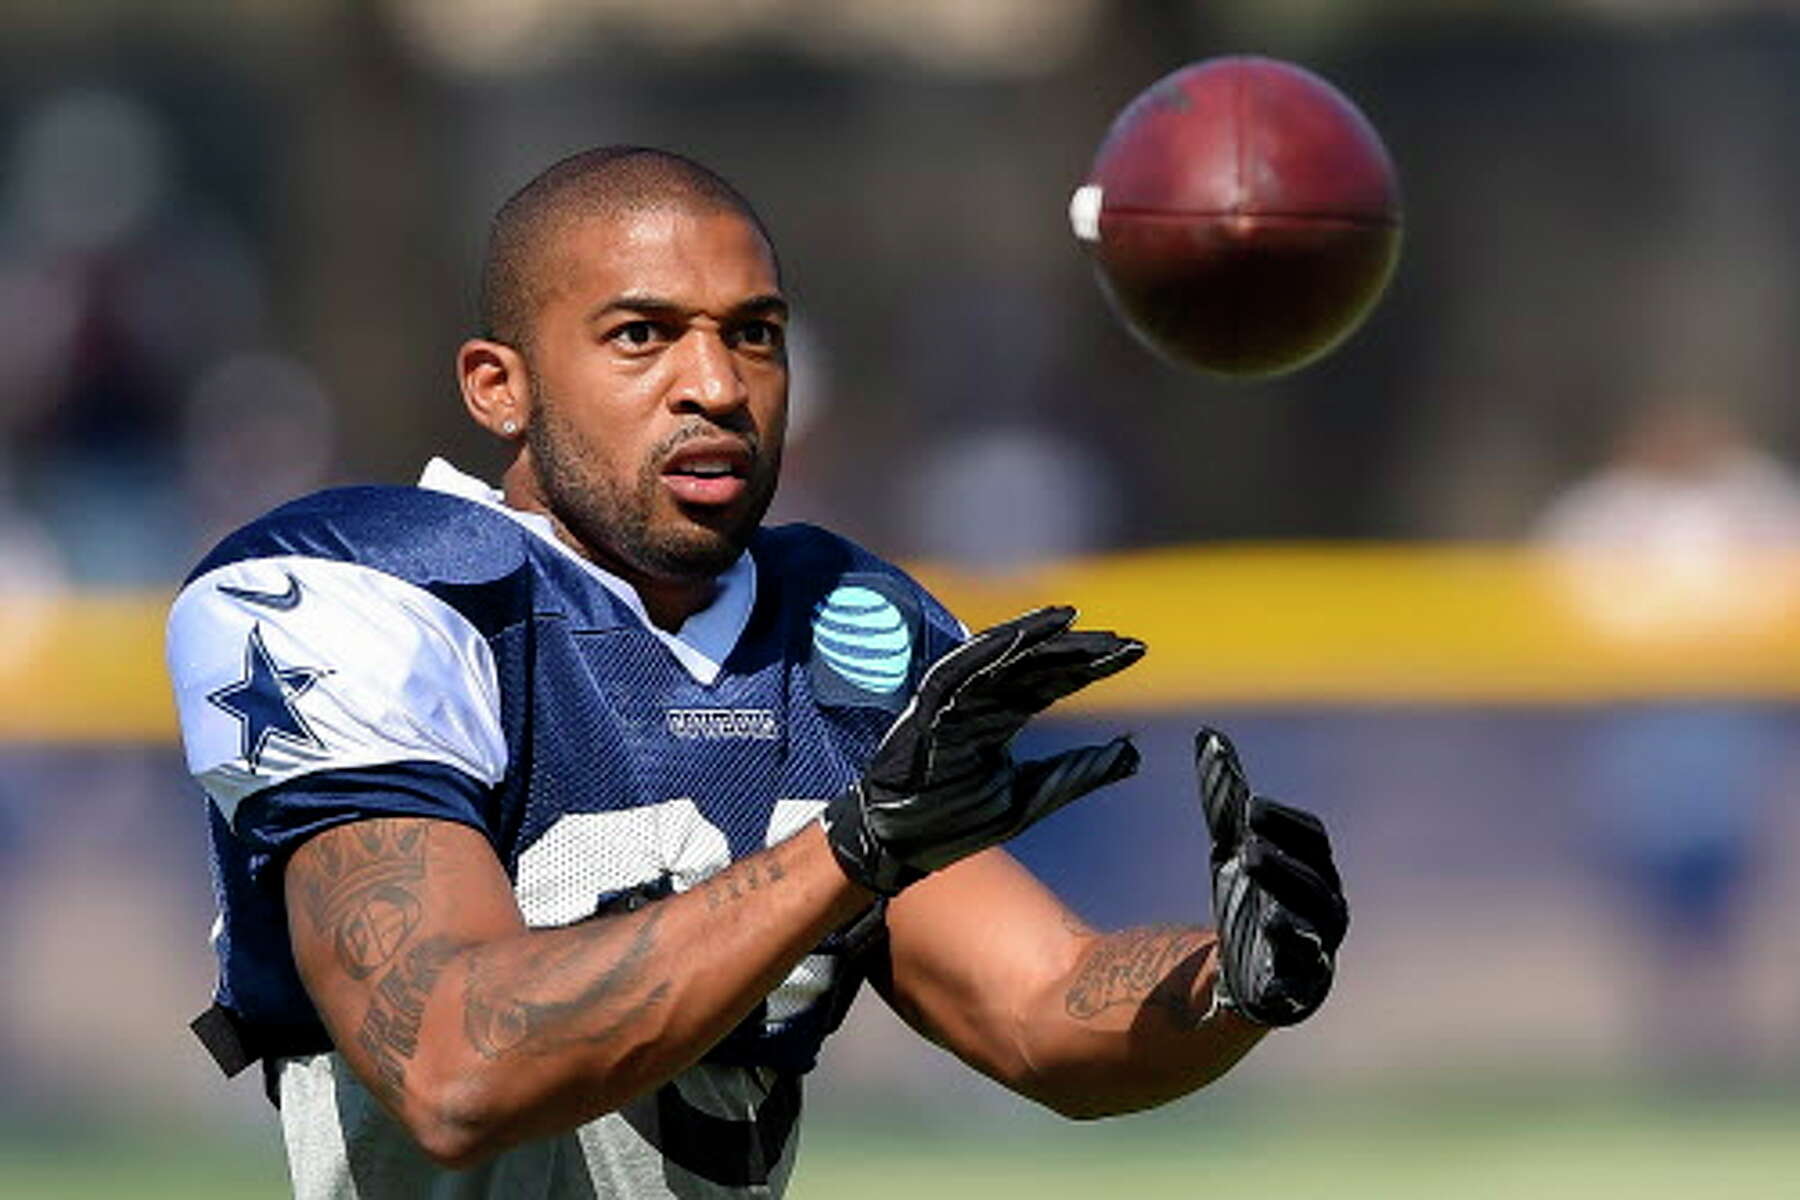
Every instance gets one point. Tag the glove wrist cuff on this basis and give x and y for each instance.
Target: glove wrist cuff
(1224, 1002)
(859, 854)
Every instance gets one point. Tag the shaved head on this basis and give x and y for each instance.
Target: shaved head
(603, 182)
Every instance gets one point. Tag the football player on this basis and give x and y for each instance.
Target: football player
(555, 825)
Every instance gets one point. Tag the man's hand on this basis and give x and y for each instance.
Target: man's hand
(942, 784)
(1277, 898)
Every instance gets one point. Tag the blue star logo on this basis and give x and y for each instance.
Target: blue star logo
(264, 700)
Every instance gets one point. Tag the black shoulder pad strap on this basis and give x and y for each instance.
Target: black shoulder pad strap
(219, 1031)
(235, 1043)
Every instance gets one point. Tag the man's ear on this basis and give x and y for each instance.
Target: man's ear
(496, 387)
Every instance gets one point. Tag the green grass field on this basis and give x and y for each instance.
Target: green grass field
(1430, 1149)
(184, 1164)
(1415, 1151)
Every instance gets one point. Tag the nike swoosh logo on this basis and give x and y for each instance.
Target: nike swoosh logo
(279, 601)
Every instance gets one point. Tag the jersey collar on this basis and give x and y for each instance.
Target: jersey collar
(703, 642)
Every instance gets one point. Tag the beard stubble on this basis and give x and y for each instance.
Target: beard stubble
(613, 518)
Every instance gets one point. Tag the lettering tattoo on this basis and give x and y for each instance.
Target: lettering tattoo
(390, 1029)
(359, 889)
(565, 1003)
(1152, 967)
(744, 876)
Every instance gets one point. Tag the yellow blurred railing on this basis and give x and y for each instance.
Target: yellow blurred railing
(1256, 626)
(84, 668)
(1405, 624)
(1410, 625)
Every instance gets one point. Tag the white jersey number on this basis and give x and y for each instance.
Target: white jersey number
(585, 856)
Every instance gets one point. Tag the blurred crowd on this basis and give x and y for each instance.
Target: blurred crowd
(234, 262)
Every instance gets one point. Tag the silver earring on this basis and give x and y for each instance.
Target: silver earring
(509, 427)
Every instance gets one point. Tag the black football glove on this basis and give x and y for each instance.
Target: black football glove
(1277, 898)
(942, 784)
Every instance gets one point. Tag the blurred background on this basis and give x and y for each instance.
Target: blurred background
(1505, 588)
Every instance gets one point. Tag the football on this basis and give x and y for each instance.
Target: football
(1243, 214)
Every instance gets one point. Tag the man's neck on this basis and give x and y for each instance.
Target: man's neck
(669, 605)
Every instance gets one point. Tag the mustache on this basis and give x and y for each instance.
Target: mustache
(698, 429)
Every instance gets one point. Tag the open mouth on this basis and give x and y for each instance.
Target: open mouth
(709, 473)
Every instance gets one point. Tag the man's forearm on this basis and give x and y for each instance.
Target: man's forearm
(555, 992)
(1133, 1024)
(569, 1023)
(480, 1038)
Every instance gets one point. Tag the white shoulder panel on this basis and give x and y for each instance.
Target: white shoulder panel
(291, 665)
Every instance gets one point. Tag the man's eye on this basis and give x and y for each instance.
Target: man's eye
(635, 333)
(759, 335)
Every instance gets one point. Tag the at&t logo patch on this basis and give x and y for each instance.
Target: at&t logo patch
(863, 635)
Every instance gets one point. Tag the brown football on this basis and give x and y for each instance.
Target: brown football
(1244, 216)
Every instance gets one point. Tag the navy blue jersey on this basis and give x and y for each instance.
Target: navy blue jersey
(382, 651)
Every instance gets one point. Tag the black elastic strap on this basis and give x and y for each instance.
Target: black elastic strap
(223, 1036)
(235, 1043)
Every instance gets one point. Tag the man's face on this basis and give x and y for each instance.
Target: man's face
(658, 378)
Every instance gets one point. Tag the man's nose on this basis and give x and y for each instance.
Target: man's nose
(707, 378)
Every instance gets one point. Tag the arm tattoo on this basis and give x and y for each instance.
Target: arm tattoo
(744, 876)
(565, 1002)
(358, 888)
(1152, 967)
(390, 1029)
